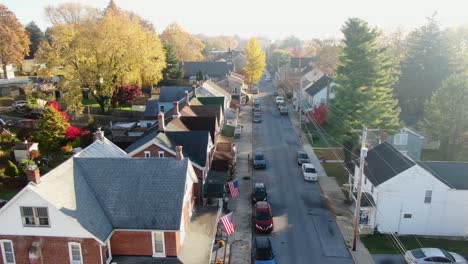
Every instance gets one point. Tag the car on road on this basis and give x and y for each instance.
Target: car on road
(263, 251)
(309, 172)
(257, 118)
(20, 104)
(302, 157)
(238, 131)
(283, 110)
(259, 192)
(256, 100)
(259, 161)
(263, 217)
(255, 90)
(432, 255)
(279, 100)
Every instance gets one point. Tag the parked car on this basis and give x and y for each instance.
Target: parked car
(257, 118)
(302, 157)
(259, 161)
(255, 90)
(308, 172)
(279, 99)
(20, 104)
(256, 111)
(263, 251)
(259, 192)
(432, 255)
(263, 217)
(238, 131)
(256, 100)
(283, 110)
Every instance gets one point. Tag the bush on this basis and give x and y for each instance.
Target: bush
(11, 169)
(4, 156)
(24, 165)
(67, 149)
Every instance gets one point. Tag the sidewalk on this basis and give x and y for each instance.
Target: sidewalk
(241, 241)
(335, 198)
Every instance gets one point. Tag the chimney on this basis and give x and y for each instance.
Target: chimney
(194, 89)
(176, 110)
(179, 154)
(33, 174)
(161, 122)
(99, 135)
(187, 101)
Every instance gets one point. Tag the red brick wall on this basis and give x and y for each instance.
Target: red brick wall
(131, 243)
(171, 243)
(54, 249)
(154, 152)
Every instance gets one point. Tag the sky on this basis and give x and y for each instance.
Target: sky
(274, 19)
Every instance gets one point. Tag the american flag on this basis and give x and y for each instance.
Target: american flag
(228, 223)
(234, 188)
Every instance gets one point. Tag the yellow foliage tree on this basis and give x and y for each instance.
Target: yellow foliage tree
(255, 62)
(104, 52)
(14, 40)
(186, 46)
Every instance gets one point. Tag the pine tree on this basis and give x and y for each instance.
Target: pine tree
(51, 128)
(424, 69)
(35, 36)
(364, 95)
(172, 70)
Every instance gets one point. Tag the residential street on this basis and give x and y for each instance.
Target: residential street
(305, 231)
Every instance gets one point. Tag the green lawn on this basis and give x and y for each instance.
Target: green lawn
(325, 138)
(382, 244)
(336, 170)
(330, 153)
(90, 102)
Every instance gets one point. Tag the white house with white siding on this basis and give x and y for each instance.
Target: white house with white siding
(407, 197)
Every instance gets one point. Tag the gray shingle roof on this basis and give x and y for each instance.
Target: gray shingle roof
(384, 162)
(318, 85)
(142, 141)
(102, 149)
(173, 93)
(210, 68)
(152, 108)
(453, 174)
(137, 193)
(194, 143)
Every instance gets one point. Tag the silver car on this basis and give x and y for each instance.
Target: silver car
(432, 255)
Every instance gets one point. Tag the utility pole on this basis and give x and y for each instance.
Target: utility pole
(362, 162)
(299, 103)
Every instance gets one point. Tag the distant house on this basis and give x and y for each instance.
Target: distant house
(94, 209)
(316, 93)
(211, 89)
(413, 198)
(408, 142)
(234, 83)
(22, 150)
(211, 70)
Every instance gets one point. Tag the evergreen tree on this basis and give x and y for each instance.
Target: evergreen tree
(200, 76)
(35, 36)
(424, 69)
(364, 95)
(172, 70)
(11, 169)
(51, 128)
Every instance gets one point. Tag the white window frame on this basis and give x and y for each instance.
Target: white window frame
(70, 244)
(147, 154)
(161, 154)
(156, 254)
(35, 217)
(428, 196)
(400, 139)
(108, 246)
(4, 253)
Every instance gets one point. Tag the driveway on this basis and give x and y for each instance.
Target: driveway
(305, 231)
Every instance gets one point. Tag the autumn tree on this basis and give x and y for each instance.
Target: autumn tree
(186, 46)
(445, 115)
(70, 13)
(125, 94)
(277, 58)
(104, 52)
(35, 37)
(219, 43)
(328, 56)
(319, 114)
(72, 96)
(14, 39)
(424, 69)
(50, 130)
(255, 62)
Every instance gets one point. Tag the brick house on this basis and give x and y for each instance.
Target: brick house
(94, 209)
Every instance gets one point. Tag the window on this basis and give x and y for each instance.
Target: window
(147, 154)
(161, 109)
(400, 139)
(35, 216)
(74, 250)
(407, 216)
(7, 251)
(158, 244)
(428, 197)
(161, 154)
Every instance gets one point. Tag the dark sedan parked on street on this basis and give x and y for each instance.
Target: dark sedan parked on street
(259, 161)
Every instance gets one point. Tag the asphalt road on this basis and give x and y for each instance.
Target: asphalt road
(305, 231)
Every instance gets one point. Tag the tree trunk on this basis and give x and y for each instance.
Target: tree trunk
(4, 70)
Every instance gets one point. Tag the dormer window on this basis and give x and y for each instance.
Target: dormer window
(400, 139)
(35, 216)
